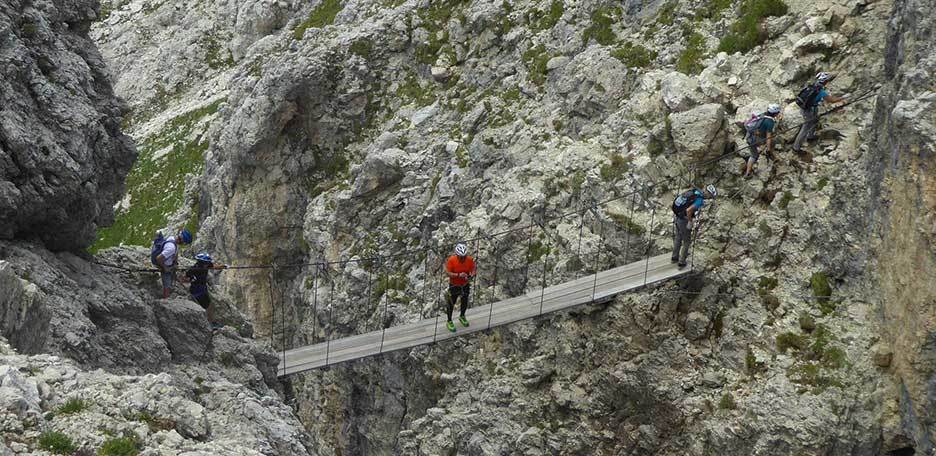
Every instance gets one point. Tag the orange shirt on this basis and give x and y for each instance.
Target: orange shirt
(454, 265)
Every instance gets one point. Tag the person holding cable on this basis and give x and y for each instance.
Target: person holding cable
(686, 207)
(460, 268)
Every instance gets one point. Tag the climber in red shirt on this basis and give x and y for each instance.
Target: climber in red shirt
(459, 268)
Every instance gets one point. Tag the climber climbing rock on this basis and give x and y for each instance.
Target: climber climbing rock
(460, 268)
(163, 254)
(686, 208)
(809, 99)
(198, 277)
(759, 130)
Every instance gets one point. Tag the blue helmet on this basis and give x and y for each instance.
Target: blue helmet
(204, 256)
(186, 236)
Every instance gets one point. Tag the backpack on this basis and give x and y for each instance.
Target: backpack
(806, 98)
(752, 125)
(157, 248)
(683, 201)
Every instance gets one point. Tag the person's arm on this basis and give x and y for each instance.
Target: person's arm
(161, 262)
(770, 141)
(834, 99)
(690, 213)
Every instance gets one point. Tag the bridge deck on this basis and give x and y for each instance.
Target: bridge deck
(558, 297)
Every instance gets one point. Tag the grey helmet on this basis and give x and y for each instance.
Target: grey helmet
(773, 109)
(822, 77)
(711, 189)
(461, 249)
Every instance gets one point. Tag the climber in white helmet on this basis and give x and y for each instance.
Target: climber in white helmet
(759, 130)
(460, 268)
(686, 207)
(808, 100)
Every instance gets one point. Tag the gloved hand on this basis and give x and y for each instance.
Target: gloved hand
(690, 225)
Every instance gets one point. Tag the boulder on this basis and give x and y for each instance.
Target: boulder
(817, 42)
(18, 395)
(184, 327)
(696, 325)
(680, 92)
(379, 171)
(699, 132)
(24, 318)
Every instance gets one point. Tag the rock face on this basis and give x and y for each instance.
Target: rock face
(63, 158)
(23, 313)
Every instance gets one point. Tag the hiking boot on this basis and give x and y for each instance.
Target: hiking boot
(450, 326)
(463, 320)
(674, 259)
(682, 264)
(215, 326)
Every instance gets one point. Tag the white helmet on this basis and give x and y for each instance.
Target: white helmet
(711, 189)
(774, 108)
(824, 77)
(461, 249)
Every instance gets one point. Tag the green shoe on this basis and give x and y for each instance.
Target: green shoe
(463, 320)
(450, 326)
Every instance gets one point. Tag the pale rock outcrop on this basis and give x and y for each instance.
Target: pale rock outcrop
(699, 132)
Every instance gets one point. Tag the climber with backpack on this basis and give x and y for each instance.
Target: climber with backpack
(759, 130)
(686, 207)
(197, 276)
(808, 100)
(164, 254)
(459, 268)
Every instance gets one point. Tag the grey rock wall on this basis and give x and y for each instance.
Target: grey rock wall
(63, 159)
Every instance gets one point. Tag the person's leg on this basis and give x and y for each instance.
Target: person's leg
(453, 294)
(686, 234)
(464, 300)
(167, 279)
(810, 119)
(677, 239)
(755, 154)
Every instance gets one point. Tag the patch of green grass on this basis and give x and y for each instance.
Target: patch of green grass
(807, 323)
(616, 169)
(790, 340)
(229, 359)
(154, 423)
(745, 33)
(122, 446)
(323, 14)
(536, 251)
(751, 363)
(549, 19)
(727, 402)
(57, 443)
(628, 223)
(712, 9)
(411, 91)
(216, 55)
(765, 284)
(690, 59)
(810, 374)
(634, 55)
(72, 406)
(785, 200)
(157, 185)
(512, 94)
(391, 282)
(771, 302)
(29, 29)
(362, 47)
(823, 181)
(536, 58)
(600, 28)
(764, 229)
(822, 291)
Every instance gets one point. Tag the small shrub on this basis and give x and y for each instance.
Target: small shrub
(745, 33)
(615, 170)
(123, 446)
(785, 200)
(73, 406)
(323, 14)
(155, 424)
(549, 19)
(57, 443)
(634, 55)
(752, 365)
(536, 58)
(822, 183)
(391, 282)
(822, 291)
(765, 229)
(667, 14)
(690, 60)
(765, 284)
(537, 251)
(771, 302)
(712, 9)
(790, 340)
(727, 402)
(600, 28)
(807, 323)
(30, 29)
(834, 358)
(229, 359)
(629, 225)
(362, 48)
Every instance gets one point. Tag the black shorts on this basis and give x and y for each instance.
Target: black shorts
(203, 300)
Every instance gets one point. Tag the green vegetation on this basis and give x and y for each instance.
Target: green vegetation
(823, 181)
(29, 29)
(765, 284)
(810, 374)
(57, 443)
(229, 359)
(412, 91)
(764, 228)
(751, 363)
(822, 291)
(512, 94)
(391, 282)
(745, 33)
(216, 56)
(666, 15)
(771, 302)
(690, 60)
(122, 446)
(727, 402)
(785, 200)
(615, 170)
(72, 406)
(628, 223)
(536, 58)
(549, 19)
(712, 9)
(156, 424)
(323, 14)
(600, 28)
(156, 183)
(362, 47)
(807, 323)
(634, 55)
(537, 251)
(792, 340)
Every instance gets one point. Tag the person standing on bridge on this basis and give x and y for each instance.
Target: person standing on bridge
(460, 268)
(686, 207)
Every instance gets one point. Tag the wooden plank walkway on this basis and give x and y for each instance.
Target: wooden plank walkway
(558, 297)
